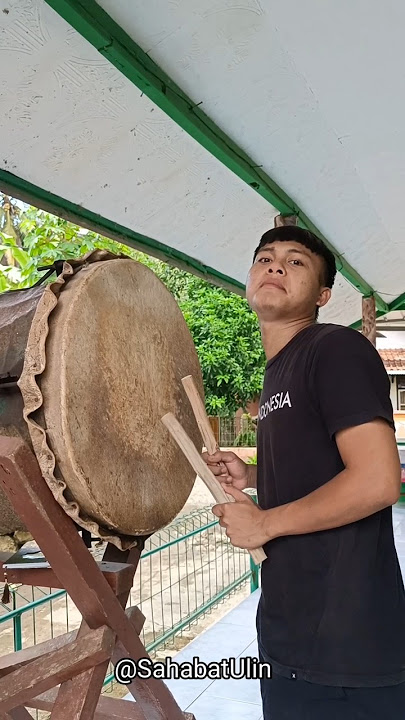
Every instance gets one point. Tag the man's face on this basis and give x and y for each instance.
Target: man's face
(286, 282)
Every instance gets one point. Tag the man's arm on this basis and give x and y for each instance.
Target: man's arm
(349, 387)
(370, 481)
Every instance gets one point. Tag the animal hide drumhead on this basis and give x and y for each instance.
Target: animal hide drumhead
(116, 349)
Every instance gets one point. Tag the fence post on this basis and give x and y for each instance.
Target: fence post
(254, 576)
(17, 632)
(254, 569)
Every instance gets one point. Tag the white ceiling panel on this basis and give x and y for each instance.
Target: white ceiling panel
(345, 303)
(73, 125)
(312, 91)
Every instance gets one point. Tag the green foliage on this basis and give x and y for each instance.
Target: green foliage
(245, 439)
(247, 435)
(228, 340)
(252, 460)
(224, 329)
(46, 238)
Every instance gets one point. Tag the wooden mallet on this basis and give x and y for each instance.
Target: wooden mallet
(194, 457)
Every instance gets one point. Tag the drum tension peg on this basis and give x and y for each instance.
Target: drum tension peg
(57, 268)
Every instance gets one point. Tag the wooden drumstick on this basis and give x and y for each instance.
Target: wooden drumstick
(200, 414)
(202, 419)
(204, 424)
(202, 470)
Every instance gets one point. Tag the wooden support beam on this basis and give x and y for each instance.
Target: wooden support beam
(107, 708)
(75, 693)
(118, 575)
(18, 713)
(82, 654)
(22, 482)
(16, 660)
(81, 694)
(136, 617)
(282, 220)
(369, 327)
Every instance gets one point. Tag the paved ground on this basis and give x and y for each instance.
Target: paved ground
(235, 636)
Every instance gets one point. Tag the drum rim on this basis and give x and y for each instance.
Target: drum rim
(34, 365)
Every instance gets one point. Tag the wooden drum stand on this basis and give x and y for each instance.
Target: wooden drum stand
(65, 675)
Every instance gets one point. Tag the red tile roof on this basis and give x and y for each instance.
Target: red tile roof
(394, 360)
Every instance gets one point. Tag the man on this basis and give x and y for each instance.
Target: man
(331, 617)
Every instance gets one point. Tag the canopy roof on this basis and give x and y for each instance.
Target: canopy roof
(184, 128)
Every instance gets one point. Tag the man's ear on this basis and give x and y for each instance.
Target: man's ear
(324, 297)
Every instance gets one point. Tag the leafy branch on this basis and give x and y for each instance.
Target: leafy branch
(224, 329)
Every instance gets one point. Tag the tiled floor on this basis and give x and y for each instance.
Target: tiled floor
(232, 636)
(235, 636)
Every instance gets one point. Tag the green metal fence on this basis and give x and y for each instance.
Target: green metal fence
(234, 431)
(185, 571)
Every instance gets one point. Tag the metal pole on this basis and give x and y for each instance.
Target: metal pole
(254, 575)
(254, 569)
(17, 627)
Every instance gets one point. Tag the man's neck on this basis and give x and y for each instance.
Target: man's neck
(276, 335)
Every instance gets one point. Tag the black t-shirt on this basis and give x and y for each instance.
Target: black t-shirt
(332, 608)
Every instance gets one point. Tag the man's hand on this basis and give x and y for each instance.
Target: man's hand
(229, 469)
(244, 521)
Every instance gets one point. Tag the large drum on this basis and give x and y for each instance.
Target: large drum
(88, 366)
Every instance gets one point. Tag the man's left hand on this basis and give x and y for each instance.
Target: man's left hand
(244, 521)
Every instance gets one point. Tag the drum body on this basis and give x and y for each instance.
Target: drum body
(90, 365)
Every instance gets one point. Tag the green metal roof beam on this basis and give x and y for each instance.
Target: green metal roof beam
(27, 192)
(397, 304)
(96, 26)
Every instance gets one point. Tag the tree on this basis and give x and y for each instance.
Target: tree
(9, 227)
(228, 342)
(38, 238)
(224, 329)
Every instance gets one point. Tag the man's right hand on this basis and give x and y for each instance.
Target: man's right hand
(228, 468)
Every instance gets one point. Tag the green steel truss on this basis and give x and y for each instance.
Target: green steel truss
(26, 191)
(30, 193)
